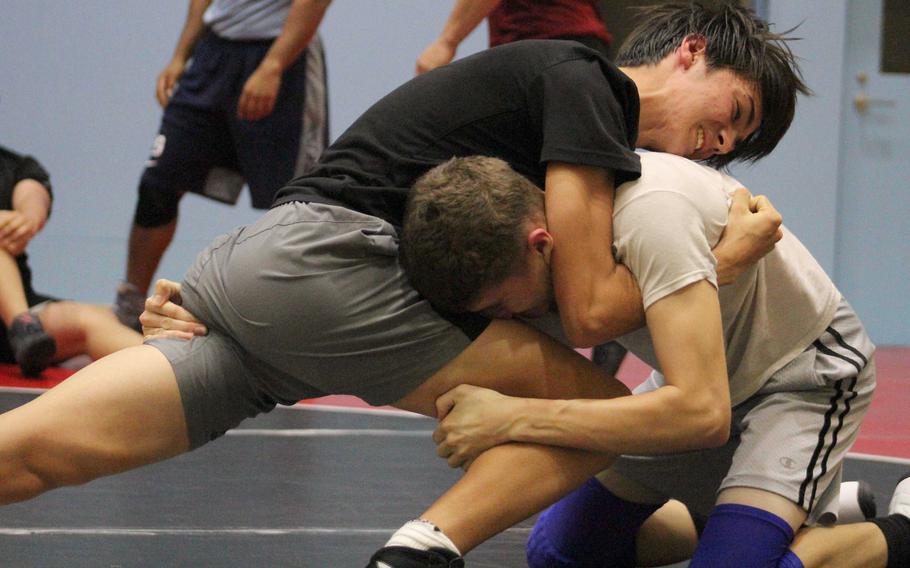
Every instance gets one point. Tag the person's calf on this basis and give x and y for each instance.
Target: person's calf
(86, 329)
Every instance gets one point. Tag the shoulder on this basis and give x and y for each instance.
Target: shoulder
(677, 178)
(8, 155)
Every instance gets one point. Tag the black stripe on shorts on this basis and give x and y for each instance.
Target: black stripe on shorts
(840, 394)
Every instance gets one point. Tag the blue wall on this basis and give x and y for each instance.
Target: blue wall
(77, 92)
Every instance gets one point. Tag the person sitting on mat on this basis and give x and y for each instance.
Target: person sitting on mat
(39, 330)
(772, 374)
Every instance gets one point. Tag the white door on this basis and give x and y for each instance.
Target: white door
(872, 258)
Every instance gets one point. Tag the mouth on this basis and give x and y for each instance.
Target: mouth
(699, 138)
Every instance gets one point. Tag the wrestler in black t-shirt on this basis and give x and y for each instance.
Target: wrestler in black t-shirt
(527, 103)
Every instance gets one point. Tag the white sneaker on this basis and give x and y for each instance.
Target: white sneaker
(857, 502)
(900, 502)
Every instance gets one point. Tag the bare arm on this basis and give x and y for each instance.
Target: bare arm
(261, 89)
(31, 204)
(465, 16)
(692, 411)
(598, 299)
(192, 31)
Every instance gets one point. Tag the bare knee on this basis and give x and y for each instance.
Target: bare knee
(65, 321)
(28, 468)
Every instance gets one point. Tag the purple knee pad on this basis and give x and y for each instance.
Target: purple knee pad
(745, 537)
(589, 528)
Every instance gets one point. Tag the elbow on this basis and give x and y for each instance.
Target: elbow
(586, 331)
(714, 430)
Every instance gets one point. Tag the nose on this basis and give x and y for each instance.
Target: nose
(725, 142)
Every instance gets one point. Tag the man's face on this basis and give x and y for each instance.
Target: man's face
(712, 111)
(526, 294)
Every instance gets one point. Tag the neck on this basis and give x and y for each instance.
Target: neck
(651, 82)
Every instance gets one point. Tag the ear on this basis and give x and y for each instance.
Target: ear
(691, 49)
(541, 242)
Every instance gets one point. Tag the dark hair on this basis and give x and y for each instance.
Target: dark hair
(464, 228)
(736, 40)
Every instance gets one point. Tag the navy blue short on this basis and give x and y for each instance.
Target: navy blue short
(204, 148)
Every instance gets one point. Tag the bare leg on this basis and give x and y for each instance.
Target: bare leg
(841, 546)
(12, 295)
(511, 482)
(117, 414)
(86, 329)
(146, 247)
(667, 537)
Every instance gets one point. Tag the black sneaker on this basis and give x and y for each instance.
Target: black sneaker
(129, 304)
(32, 346)
(404, 557)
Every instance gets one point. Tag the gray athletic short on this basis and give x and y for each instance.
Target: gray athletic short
(790, 438)
(307, 301)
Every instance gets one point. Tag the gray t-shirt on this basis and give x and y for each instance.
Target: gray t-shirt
(665, 225)
(247, 19)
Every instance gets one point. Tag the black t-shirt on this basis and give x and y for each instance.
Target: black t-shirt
(527, 103)
(13, 169)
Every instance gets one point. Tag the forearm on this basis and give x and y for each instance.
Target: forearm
(464, 18)
(192, 30)
(598, 299)
(32, 200)
(606, 306)
(729, 264)
(303, 20)
(691, 411)
(665, 420)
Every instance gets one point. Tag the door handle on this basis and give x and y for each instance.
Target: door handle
(862, 102)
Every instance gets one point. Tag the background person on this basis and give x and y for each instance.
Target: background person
(244, 100)
(37, 329)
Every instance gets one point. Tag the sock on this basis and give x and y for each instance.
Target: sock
(588, 528)
(896, 529)
(422, 535)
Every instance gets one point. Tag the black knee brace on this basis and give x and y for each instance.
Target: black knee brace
(156, 206)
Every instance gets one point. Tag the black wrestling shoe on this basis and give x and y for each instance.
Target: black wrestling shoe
(32, 346)
(404, 557)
